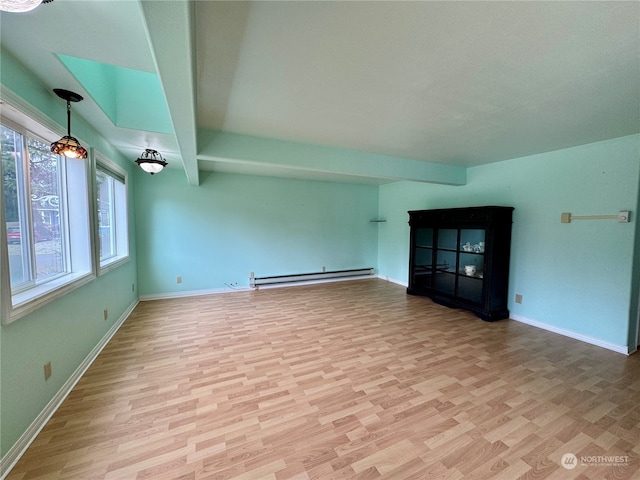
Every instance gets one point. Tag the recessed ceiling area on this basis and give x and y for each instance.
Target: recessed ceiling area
(130, 98)
(349, 90)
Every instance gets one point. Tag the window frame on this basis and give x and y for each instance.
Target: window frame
(15, 304)
(122, 240)
(28, 206)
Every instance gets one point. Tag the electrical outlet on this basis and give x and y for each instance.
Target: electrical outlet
(47, 370)
(565, 218)
(324, 269)
(518, 298)
(179, 279)
(133, 287)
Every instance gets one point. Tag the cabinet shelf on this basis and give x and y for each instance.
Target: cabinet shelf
(438, 257)
(476, 276)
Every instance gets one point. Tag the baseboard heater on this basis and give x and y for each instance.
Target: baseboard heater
(307, 277)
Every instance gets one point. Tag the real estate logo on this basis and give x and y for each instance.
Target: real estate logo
(569, 461)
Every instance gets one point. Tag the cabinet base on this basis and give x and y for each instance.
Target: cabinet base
(486, 315)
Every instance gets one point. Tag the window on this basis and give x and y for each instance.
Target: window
(46, 214)
(111, 214)
(32, 210)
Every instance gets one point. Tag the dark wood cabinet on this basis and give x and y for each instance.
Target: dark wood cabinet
(459, 257)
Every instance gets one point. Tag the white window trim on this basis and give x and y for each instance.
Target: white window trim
(115, 170)
(5, 281)
(18, 305)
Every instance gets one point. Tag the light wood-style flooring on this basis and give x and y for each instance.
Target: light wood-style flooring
(348, 380)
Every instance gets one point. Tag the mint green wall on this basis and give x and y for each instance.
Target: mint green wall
(236, 224)
(575, 276)
(67, 329)
(63, 332)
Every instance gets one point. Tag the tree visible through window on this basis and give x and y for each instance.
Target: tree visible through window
(46, 195)
(47, 213)
(12, 159)
(32, 209)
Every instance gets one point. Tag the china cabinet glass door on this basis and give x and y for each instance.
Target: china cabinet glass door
(446, 260)
(471, 265)
(423, 258)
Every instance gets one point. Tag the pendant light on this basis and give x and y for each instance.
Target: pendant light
(68, 146)
(18, 6)
(151, 161)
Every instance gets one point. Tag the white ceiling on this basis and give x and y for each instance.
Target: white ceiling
(453, 83)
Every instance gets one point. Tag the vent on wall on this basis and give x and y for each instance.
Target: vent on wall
(310, 277)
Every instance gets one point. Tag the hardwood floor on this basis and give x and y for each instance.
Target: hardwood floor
(349, 380)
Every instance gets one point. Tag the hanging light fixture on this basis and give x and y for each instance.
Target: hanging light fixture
(68, 146)
(20, 6)
(151, 161)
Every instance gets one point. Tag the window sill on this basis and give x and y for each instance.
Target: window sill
(26, 302)
(112, 264)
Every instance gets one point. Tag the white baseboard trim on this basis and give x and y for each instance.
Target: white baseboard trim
(551, 328)
(393, 280)
(20, 447)
(192, 293)
(213, 291)
(625, 350)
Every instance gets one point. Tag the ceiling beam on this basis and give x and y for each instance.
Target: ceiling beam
(170, 31)
(232, 147)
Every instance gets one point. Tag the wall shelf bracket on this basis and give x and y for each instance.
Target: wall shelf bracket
(622, 217)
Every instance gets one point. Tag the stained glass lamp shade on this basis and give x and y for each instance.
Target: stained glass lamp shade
(68, 146)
